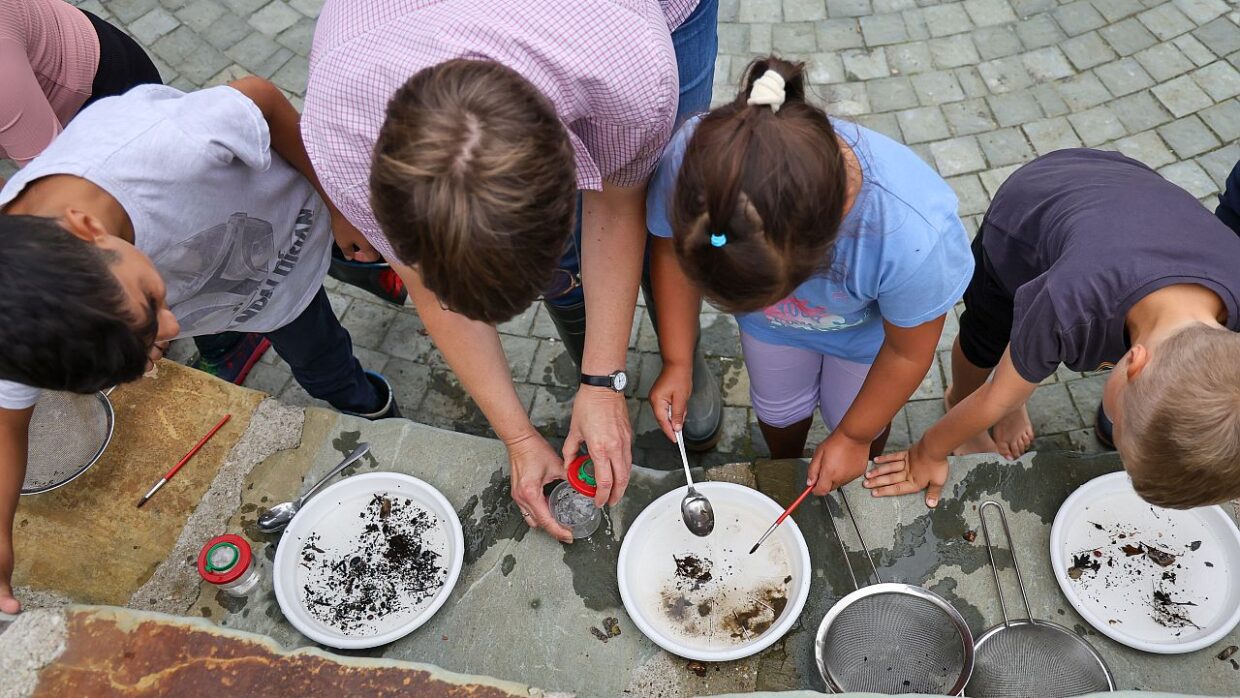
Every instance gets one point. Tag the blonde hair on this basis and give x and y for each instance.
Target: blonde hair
(474, 181)
(1180, 437)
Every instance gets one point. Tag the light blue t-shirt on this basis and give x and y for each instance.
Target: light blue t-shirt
(902, 254)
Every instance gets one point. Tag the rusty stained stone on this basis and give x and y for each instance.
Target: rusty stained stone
(88, 540)
(134, 655)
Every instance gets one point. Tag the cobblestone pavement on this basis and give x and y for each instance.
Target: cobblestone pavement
(976, 87)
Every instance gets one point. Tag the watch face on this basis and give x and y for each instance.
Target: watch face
(619, 380)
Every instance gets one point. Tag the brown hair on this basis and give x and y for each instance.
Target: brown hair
(1180, 437)
(473, 181)
(772, 183)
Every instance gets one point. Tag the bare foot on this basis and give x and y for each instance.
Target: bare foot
(1014, 433)
(980, 443)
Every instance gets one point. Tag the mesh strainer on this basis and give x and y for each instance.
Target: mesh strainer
(891, 638)
(68, 434)
(1031, 657)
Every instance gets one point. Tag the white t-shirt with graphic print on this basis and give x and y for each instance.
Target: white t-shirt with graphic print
(241, 239)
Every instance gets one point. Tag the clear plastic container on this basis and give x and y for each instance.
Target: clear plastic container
(574, 510)
(227, 562)
(572, 501)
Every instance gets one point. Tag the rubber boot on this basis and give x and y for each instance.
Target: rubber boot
(704, 415)
(570, 324)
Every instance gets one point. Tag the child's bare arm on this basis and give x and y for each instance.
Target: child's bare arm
(284, 123)
(902, 361)
(678, 303)
(924, 466)
(1005, 392)
(13, 438)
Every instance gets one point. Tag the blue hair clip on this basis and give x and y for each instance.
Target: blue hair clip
(718, 239)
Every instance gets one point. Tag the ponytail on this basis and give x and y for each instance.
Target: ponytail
(761, 191)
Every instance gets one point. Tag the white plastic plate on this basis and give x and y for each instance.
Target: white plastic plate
(715, 622)
(1118, 599)
(333, 515)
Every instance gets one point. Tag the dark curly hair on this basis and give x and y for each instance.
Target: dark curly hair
(66, 322)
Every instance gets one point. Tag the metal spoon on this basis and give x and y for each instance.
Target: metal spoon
(695, 509)
(276, 518)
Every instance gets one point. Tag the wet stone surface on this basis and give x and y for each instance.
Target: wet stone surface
(529, 609)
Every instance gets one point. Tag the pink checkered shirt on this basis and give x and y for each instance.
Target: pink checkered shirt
(608, 66)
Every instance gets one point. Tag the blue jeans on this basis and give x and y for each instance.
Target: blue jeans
(697, 43)
(319, 351)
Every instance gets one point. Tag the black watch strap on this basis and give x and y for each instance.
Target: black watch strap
(617, 381)
(597, 381)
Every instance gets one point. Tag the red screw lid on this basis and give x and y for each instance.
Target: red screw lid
(581, 476)
(224, 559)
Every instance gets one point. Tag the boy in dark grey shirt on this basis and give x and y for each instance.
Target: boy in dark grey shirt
(1092, 260)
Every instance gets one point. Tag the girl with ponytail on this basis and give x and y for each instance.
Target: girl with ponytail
(838, 250)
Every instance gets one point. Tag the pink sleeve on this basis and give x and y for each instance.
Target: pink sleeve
(27, 122)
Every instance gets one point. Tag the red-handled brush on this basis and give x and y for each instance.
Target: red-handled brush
(185, 459)
(781, 518)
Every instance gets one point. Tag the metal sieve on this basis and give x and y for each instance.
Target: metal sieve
(68, 433)
(1031, 657)
(891, 638)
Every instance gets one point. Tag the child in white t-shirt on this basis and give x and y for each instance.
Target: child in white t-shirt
(157, 215)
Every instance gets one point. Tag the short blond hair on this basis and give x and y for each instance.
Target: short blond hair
(1180, 438)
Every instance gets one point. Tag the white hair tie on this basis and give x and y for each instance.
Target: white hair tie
(768, 90)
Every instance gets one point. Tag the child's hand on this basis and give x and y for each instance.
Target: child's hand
(837, 461)
(350, 240)
(8, 603)
(671, 392)
(907, 472)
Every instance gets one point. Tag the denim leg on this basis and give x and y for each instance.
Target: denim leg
(697, 45)
(320, 352)
(1228, 209)
(214, 347)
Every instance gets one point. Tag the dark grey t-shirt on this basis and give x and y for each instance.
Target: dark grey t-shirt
(1079, 236)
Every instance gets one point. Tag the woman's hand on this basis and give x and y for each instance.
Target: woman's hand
(534, 464)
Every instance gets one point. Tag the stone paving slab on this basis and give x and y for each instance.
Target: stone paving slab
(106, 547)
(525, 606)
(551, 596)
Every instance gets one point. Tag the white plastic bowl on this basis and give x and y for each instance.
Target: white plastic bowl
(331, 514)
(646, 567)
(1113, 602)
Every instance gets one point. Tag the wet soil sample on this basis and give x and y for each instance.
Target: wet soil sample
(386, 569)
(693, 570)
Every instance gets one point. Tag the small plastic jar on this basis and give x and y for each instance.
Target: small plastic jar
(227, 562)
(572, 501)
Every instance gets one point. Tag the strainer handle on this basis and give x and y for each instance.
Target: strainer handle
(839, 539)
(994, 568)
(861, 538)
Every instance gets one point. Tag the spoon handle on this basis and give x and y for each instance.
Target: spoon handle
(358, 452)
(680, 443)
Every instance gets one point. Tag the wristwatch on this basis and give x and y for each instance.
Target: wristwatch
(616, 381)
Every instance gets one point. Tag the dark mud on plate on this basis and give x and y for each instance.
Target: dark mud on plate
(387, 569)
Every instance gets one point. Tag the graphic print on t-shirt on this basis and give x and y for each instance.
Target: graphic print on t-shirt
(798, 314)
(223, 276)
